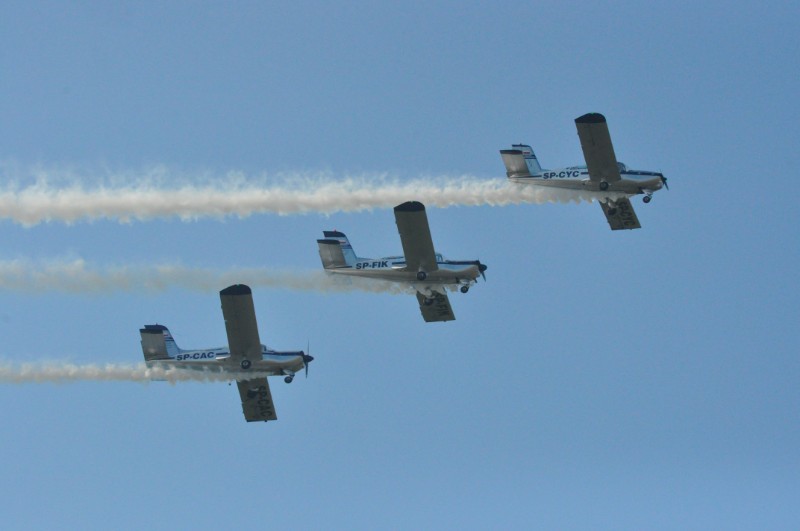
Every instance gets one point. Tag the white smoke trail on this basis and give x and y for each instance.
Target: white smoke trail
(43, 202)
(76, 276)
(54, 372)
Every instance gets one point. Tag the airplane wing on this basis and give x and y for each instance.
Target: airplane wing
(240, 322)
(597, 149)
(256, 400)
(415, 235)
(620, 214)
(440, 310)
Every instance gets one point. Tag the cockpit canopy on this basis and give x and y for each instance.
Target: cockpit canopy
(622, 167)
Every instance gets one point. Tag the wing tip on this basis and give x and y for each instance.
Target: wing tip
(236, 289)
(591, 118)
(410, 206)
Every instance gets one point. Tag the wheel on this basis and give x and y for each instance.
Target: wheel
(603, 186)
(246, 364)
(288, 379)
(646, 199)
(422, 275)
(427, 301)
(464, 289)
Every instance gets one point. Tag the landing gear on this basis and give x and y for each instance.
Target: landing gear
(427, 301)
(246, 364)
(289, 378)
(464, 289)
(422, 275)
(647, 198)
(603, 186)
(612, 211)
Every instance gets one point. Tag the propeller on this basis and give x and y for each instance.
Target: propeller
(481, 268)
(307, 358)
(664, 182)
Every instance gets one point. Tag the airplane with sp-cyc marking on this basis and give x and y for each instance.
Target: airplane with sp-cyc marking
(420, 266)
(244, 354)
(602, 172)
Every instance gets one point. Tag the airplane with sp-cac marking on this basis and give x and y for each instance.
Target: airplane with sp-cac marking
(420, 266)
(602, 172)
(244, 354)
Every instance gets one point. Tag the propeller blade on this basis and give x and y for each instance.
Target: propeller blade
(482, 269)
(664, 180)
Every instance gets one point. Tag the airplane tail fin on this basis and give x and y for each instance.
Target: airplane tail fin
(520, 161)
(335, 250)
(157, 343)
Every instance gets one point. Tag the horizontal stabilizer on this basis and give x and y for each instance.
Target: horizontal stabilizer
(515, 163)
(330, 252)
(154, 345)
(520, 161)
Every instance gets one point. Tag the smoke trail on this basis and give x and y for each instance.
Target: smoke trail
(76, 276)
(54, 372)
(43, 202)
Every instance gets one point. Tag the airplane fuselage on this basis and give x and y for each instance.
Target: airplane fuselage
(632, 182)
(272, 363)
(394, 268)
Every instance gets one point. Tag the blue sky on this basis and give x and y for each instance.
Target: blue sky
(599, 379)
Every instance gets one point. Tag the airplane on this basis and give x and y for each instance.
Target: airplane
(602, 172)
(244, 353)
(420, 266)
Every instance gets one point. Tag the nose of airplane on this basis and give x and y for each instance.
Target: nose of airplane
(307, 358)
(481, 268)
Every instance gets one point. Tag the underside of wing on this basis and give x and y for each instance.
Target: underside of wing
(415, 235)
(597, 148)
(438, 310)
(256, 400)
(240, 322)
(620, 214)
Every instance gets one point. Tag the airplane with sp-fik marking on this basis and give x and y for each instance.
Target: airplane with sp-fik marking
(244, 354)
(602, 172)
(420, 266)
